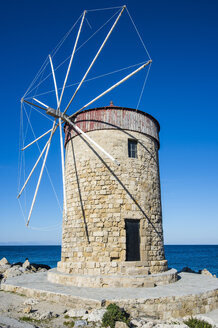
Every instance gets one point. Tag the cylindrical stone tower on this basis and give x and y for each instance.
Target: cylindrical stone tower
(113, 235)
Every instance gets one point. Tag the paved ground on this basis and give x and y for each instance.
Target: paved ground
(12, 305)
(12, 309)
(211, 317)
(188, 283)
(6, 322)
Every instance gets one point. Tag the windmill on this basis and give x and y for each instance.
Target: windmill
(60, 115)
(112, 218)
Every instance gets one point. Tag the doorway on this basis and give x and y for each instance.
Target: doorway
(132, 227)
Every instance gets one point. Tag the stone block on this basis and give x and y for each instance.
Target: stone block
(98, 233)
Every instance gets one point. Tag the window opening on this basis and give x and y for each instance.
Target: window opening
(132, 148)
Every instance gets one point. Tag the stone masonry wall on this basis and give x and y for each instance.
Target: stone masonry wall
(101, 195)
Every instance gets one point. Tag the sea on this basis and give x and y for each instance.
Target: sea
(196, 257)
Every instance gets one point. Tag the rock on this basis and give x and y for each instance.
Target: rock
(175, 322)
(165, 325)
(12, 272)
(139, 322)
(149, 324)
(47, 315)
(206, 273)
(4, 267)
(27, 309)
(40, 266)
(120, 324)
(103, 302)
(26, 264)
(22, 269)
(187, 269)
(95, 315)
(42, 270)
(31, 301)
(33, 269)
(4, 261)
(80, 323)
(77, 313)
(18, 264)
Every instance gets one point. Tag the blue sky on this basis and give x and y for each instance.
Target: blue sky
(181, 93)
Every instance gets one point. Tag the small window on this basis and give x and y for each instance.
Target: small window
(132, 240)
(132, 148)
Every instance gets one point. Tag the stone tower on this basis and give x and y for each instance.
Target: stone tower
(113, 235)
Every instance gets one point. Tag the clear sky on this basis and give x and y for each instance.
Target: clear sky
(181, 93)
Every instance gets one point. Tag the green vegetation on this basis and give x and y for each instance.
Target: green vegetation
(28, 319)
(66, 316)
(35, 321)
(114, 313)
(13, 293)
(69, 323)
(196, 323)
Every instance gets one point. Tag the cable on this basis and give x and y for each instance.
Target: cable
(99, 9)
(31, 107)
(75, 51)
(138, 33)
(146, 77)
(19, 169)
(45, 165)
(88, 23)
(22, 211)
(36, 77)
(88, 80)
(38, 111)
(48, 228)
(54, 51)
(64, 38)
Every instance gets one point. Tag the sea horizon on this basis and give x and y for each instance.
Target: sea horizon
(196, 257)
(51, 244)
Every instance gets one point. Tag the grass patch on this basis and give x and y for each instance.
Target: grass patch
(12, 292)
(28, 319)
(114, 313)
(69, 323)
(33, 320)
(197, 323)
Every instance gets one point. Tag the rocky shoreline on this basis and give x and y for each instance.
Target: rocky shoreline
(8, 270)
(19, 311)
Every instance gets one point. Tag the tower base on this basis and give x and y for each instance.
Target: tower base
(127, 281)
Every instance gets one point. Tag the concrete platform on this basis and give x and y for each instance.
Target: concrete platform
(192, 294)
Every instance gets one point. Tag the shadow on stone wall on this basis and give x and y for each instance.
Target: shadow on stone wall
(160, 235)
(79, 190)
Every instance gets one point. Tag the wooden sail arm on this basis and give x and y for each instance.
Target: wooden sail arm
(93, 61)
(72, 56)
(31, 143)
(54, 128)
(61, 139)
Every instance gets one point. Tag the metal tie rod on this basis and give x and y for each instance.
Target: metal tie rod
(91, 140)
